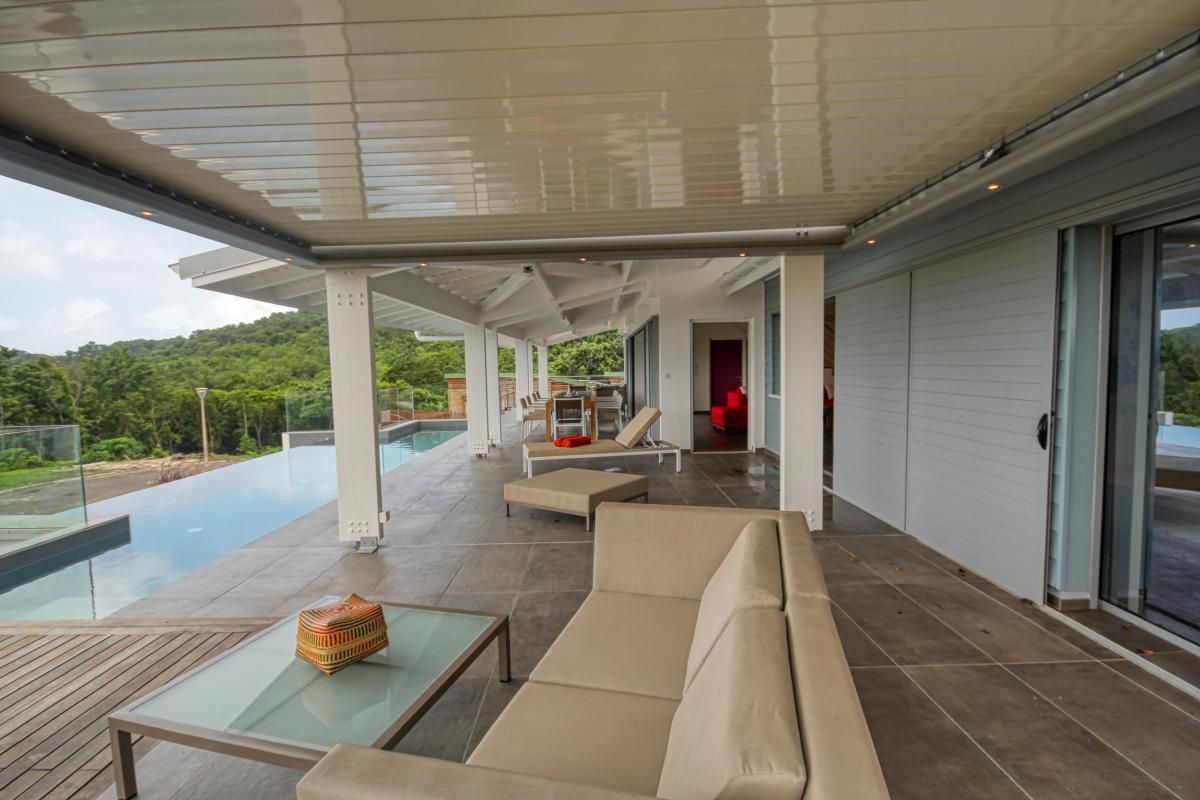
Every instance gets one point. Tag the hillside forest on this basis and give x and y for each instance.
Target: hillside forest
(137, 397)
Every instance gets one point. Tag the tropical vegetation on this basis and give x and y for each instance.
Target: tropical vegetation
(137, 397)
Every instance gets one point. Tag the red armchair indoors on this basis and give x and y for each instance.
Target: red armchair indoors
(731, 417)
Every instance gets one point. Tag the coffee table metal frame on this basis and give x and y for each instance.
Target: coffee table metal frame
(123, 724)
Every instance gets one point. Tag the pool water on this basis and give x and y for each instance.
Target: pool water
(180, 526)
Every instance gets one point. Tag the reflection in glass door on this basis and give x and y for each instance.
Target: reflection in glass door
(1150, 561)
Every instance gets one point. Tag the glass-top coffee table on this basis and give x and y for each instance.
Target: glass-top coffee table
(259, 701)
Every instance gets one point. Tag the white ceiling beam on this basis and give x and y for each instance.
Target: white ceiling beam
(505, 290)
(626, 270)
(754, 274)
(416, 291)
(539, 277)
(480, 281)
(594, 294)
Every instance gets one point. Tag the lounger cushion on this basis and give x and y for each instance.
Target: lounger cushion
(736, 734)
(575, 491)
(749, 577)
(632, 643)
(638, 427)
(597, 738)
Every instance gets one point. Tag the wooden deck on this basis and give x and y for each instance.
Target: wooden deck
(60, 680)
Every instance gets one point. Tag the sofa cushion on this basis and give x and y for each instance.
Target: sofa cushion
(749, 577)
(598, 738)
(669, 551)
(633, 643)
(735, 734)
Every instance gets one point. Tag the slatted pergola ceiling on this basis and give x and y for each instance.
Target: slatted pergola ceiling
(374, 121)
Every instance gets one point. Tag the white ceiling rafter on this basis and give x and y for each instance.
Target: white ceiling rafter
(539, 278)
(412, 289)
(511, 285)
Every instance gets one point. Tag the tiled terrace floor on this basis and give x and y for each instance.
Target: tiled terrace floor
(969, 692)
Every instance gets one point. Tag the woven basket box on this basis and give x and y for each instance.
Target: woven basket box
(335, 636)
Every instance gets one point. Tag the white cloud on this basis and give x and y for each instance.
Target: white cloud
(73, 272)
(25, 253)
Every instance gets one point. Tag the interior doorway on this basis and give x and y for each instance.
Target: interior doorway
(720, 401)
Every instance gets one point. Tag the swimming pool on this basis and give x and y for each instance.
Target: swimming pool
(180, 526)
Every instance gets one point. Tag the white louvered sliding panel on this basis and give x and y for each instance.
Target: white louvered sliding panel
(871, 397)
(982, 334)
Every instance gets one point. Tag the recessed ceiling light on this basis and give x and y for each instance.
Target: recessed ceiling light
(743, 254)
(870, 241)
(991, 187)
(583, 259)
(1190, 246)
(423, 264)
(146, 213)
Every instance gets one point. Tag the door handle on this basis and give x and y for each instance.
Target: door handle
(1043, 430)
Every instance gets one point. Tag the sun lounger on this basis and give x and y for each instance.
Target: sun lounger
(633, 440)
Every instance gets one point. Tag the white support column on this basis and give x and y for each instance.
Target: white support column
(352, 366)
(524, 365)
(492, 356)
(474, 346)
(543, 370)
(802, 301)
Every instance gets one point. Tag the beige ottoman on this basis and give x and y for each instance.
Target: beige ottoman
(575, 491)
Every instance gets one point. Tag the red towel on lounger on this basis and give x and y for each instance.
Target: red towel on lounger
(572, 441)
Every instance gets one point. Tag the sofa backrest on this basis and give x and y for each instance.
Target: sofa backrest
(735, 735)
(688, 546)
(748, 577)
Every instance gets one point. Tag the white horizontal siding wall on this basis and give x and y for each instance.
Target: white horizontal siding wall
(980, 375)
(871, 397)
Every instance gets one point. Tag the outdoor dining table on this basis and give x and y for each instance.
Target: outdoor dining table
(589, 404)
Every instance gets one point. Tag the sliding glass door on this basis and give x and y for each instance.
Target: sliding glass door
(1150, 559)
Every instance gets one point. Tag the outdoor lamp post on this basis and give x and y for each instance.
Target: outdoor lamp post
(203, 422)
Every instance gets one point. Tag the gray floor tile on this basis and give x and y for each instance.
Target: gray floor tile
(906, 632)
(923, 754)
(859, 649)
(1041, 747)
(998, 631)
(1154, 734)
(559, 567)
(445, 730)
(537, 619)
(492, 568)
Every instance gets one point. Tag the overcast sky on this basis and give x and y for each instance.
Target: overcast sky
(72, 272)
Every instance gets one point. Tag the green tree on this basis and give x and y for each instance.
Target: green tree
(591, 355)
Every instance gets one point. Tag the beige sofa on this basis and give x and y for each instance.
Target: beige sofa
(704, 664)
